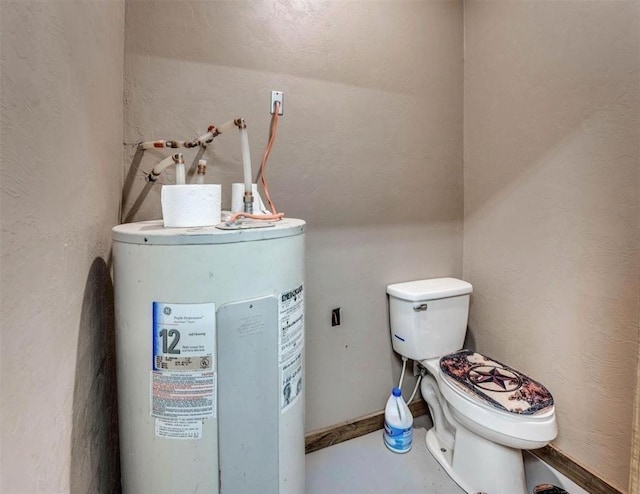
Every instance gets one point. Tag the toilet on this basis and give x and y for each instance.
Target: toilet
(484, 412)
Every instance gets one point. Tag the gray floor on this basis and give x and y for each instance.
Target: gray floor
(365, 466)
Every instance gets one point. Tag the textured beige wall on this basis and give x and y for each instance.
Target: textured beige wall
(369, 150)
(551, 182)
(61, 149)
(370, 154)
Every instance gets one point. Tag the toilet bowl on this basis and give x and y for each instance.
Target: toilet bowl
(484, 412)
(486, 454)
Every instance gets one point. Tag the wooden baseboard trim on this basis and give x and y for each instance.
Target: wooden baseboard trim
(338, 433)
(581, 475)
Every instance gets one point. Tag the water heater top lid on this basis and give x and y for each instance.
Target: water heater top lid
(432, 289)
(154, 233)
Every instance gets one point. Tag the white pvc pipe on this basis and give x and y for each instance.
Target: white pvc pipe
(202, 168)
(180, 174)
(161, 144)
(205, 138)
(168, 161)
(246, 160)
(226, 126)
(160, 167)
(176, 159)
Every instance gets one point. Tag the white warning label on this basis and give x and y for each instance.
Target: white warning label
(179, 429)
(291, 323)
(183, 395)
(291, 382)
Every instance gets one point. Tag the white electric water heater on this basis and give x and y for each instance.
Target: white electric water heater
(210, 358)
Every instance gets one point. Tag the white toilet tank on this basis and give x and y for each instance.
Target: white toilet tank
(428, 318)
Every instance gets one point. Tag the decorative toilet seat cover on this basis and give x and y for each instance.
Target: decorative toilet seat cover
(495, 383)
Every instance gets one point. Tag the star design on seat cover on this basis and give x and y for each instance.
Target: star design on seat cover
(484, 376)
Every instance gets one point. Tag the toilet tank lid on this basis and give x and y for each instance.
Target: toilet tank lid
(429, 289)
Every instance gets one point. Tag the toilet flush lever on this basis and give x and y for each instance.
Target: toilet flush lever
(420, 308)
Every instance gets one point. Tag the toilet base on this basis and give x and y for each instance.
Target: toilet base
(443, 457)
(478, 465)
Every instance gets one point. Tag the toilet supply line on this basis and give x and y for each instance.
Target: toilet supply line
(442, 415)
(415, 389)
(404, 368)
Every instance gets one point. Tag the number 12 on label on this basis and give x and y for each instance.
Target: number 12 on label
(170, 347)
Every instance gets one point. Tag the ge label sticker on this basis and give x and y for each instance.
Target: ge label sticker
(183, 337)
(183, 377)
